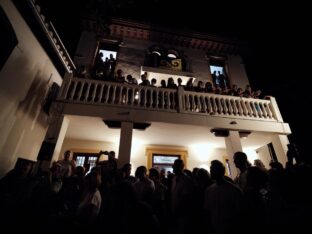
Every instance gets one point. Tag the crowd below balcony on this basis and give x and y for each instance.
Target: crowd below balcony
(104, 70)
(111, 200)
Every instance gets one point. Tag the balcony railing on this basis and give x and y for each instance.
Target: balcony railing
(93, 92)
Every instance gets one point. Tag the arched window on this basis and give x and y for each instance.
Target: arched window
(153, 58)
(173, 54)
(156, 52)
(171, 58)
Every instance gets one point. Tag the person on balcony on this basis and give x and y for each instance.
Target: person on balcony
(145, 81)
(208, 87)
(248, 92)
(214, 78)
(153, 82)
(199, 88)
(112, 64)
(233, 90)
(240, 92)
(119, 78)
(82, 72)
(171, 84)
(222, 79)
(99, 66)
(163, 84)
(180, 83)
(189, 85)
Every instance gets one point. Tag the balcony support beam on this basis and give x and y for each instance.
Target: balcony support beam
(125, 143)
(233, 144)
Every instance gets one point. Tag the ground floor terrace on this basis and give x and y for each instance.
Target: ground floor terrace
(160, 143)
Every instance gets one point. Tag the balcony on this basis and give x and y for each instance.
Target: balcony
(109, 94)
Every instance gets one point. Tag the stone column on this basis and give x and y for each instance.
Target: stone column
(52, 144)
(125, 143)
(181, 104)
(233, 144)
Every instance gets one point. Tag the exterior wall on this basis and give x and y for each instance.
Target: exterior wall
(86, 48)
(23, 124)
(198, 156)
(264, 155)
(88, 146)
(236, 71)
(198, 64)
(201, 156)
(131, 57)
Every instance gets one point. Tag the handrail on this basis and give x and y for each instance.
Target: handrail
(63, 47)
(95, 92)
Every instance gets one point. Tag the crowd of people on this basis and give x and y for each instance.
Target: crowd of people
(105, 70)
(110, 199)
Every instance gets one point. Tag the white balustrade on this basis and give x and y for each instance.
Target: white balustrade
(94, 92)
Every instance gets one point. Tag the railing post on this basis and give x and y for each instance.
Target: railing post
(65, 85)
(275, 110)
(180, 99)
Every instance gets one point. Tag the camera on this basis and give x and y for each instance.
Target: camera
(103, 152)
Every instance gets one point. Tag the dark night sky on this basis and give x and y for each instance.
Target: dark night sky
(277, 37)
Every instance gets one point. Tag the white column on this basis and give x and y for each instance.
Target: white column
(55, 137)
(280, 147)
(125, 143)
(233, 144)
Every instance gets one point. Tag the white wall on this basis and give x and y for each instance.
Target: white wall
(25, 80)
(87, 146)
(201, 156)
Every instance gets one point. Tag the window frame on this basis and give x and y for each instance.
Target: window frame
(183, 153)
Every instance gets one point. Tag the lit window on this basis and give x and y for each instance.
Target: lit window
(107, 53)
(172, 56)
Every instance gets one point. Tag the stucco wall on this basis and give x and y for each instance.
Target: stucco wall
(25, 79)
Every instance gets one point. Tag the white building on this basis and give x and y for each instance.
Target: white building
(198, 127)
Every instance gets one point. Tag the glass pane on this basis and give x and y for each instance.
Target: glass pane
(159, 159)
(80, 160)
(92, 162)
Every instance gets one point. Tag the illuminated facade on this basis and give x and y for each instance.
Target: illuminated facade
(139, 122)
